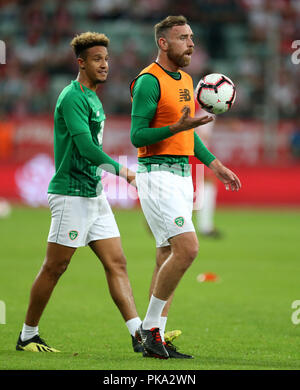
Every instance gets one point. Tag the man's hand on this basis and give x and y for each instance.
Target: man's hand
(186, 122)
(226, 176)
(129, 175)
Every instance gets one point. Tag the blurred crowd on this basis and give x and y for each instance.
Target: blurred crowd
(248, 40)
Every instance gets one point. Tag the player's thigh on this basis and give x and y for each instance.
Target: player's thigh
(167, 203)
(57, 257)
(110, 252)
(104, 225)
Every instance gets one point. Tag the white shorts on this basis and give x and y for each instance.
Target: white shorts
(76, 221)
(167, 203)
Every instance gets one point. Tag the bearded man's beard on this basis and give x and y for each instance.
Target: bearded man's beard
(179, 59)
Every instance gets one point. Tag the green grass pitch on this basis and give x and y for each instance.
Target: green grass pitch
(241, 322)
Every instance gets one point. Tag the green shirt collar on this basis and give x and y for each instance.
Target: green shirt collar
(175, 75)
(84, 88)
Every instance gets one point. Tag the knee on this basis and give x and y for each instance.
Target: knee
(116, 263)
(192, 252)
(187, 254)
(55, 269)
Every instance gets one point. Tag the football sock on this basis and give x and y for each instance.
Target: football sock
(162, 327)
(28, 332)
(155, 308)
(133, 324)
(205, 216)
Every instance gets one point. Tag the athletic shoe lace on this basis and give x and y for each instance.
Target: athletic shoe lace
(171, 346)
(39, 340)
(156, 335)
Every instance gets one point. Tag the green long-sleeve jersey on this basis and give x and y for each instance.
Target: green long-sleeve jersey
(146, 93)
(78, 131)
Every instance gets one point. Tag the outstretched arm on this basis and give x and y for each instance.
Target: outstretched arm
(76, 114)
(96, 156)
(201, 151)
(227, 177)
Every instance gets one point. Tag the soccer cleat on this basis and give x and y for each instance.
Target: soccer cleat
(137, 347)
(152, 343)
(172, 335)
(174, 354)
(172, 351)
(35, 344)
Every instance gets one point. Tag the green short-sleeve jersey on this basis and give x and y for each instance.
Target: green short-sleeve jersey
(78, 110)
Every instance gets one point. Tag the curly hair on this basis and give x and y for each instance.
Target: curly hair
(84, 41)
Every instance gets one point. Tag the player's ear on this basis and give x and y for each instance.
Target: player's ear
(81, 63)
(162, 43)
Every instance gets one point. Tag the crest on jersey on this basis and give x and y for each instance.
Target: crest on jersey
(179, 221)
(73, 234)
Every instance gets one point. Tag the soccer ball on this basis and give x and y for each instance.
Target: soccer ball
(215, 93)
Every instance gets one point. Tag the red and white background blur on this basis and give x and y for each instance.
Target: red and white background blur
(27, 163)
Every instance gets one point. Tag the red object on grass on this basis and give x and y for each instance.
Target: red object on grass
(207, 277)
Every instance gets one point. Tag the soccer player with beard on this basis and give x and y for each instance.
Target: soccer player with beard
(80, 213)
(162, 129)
